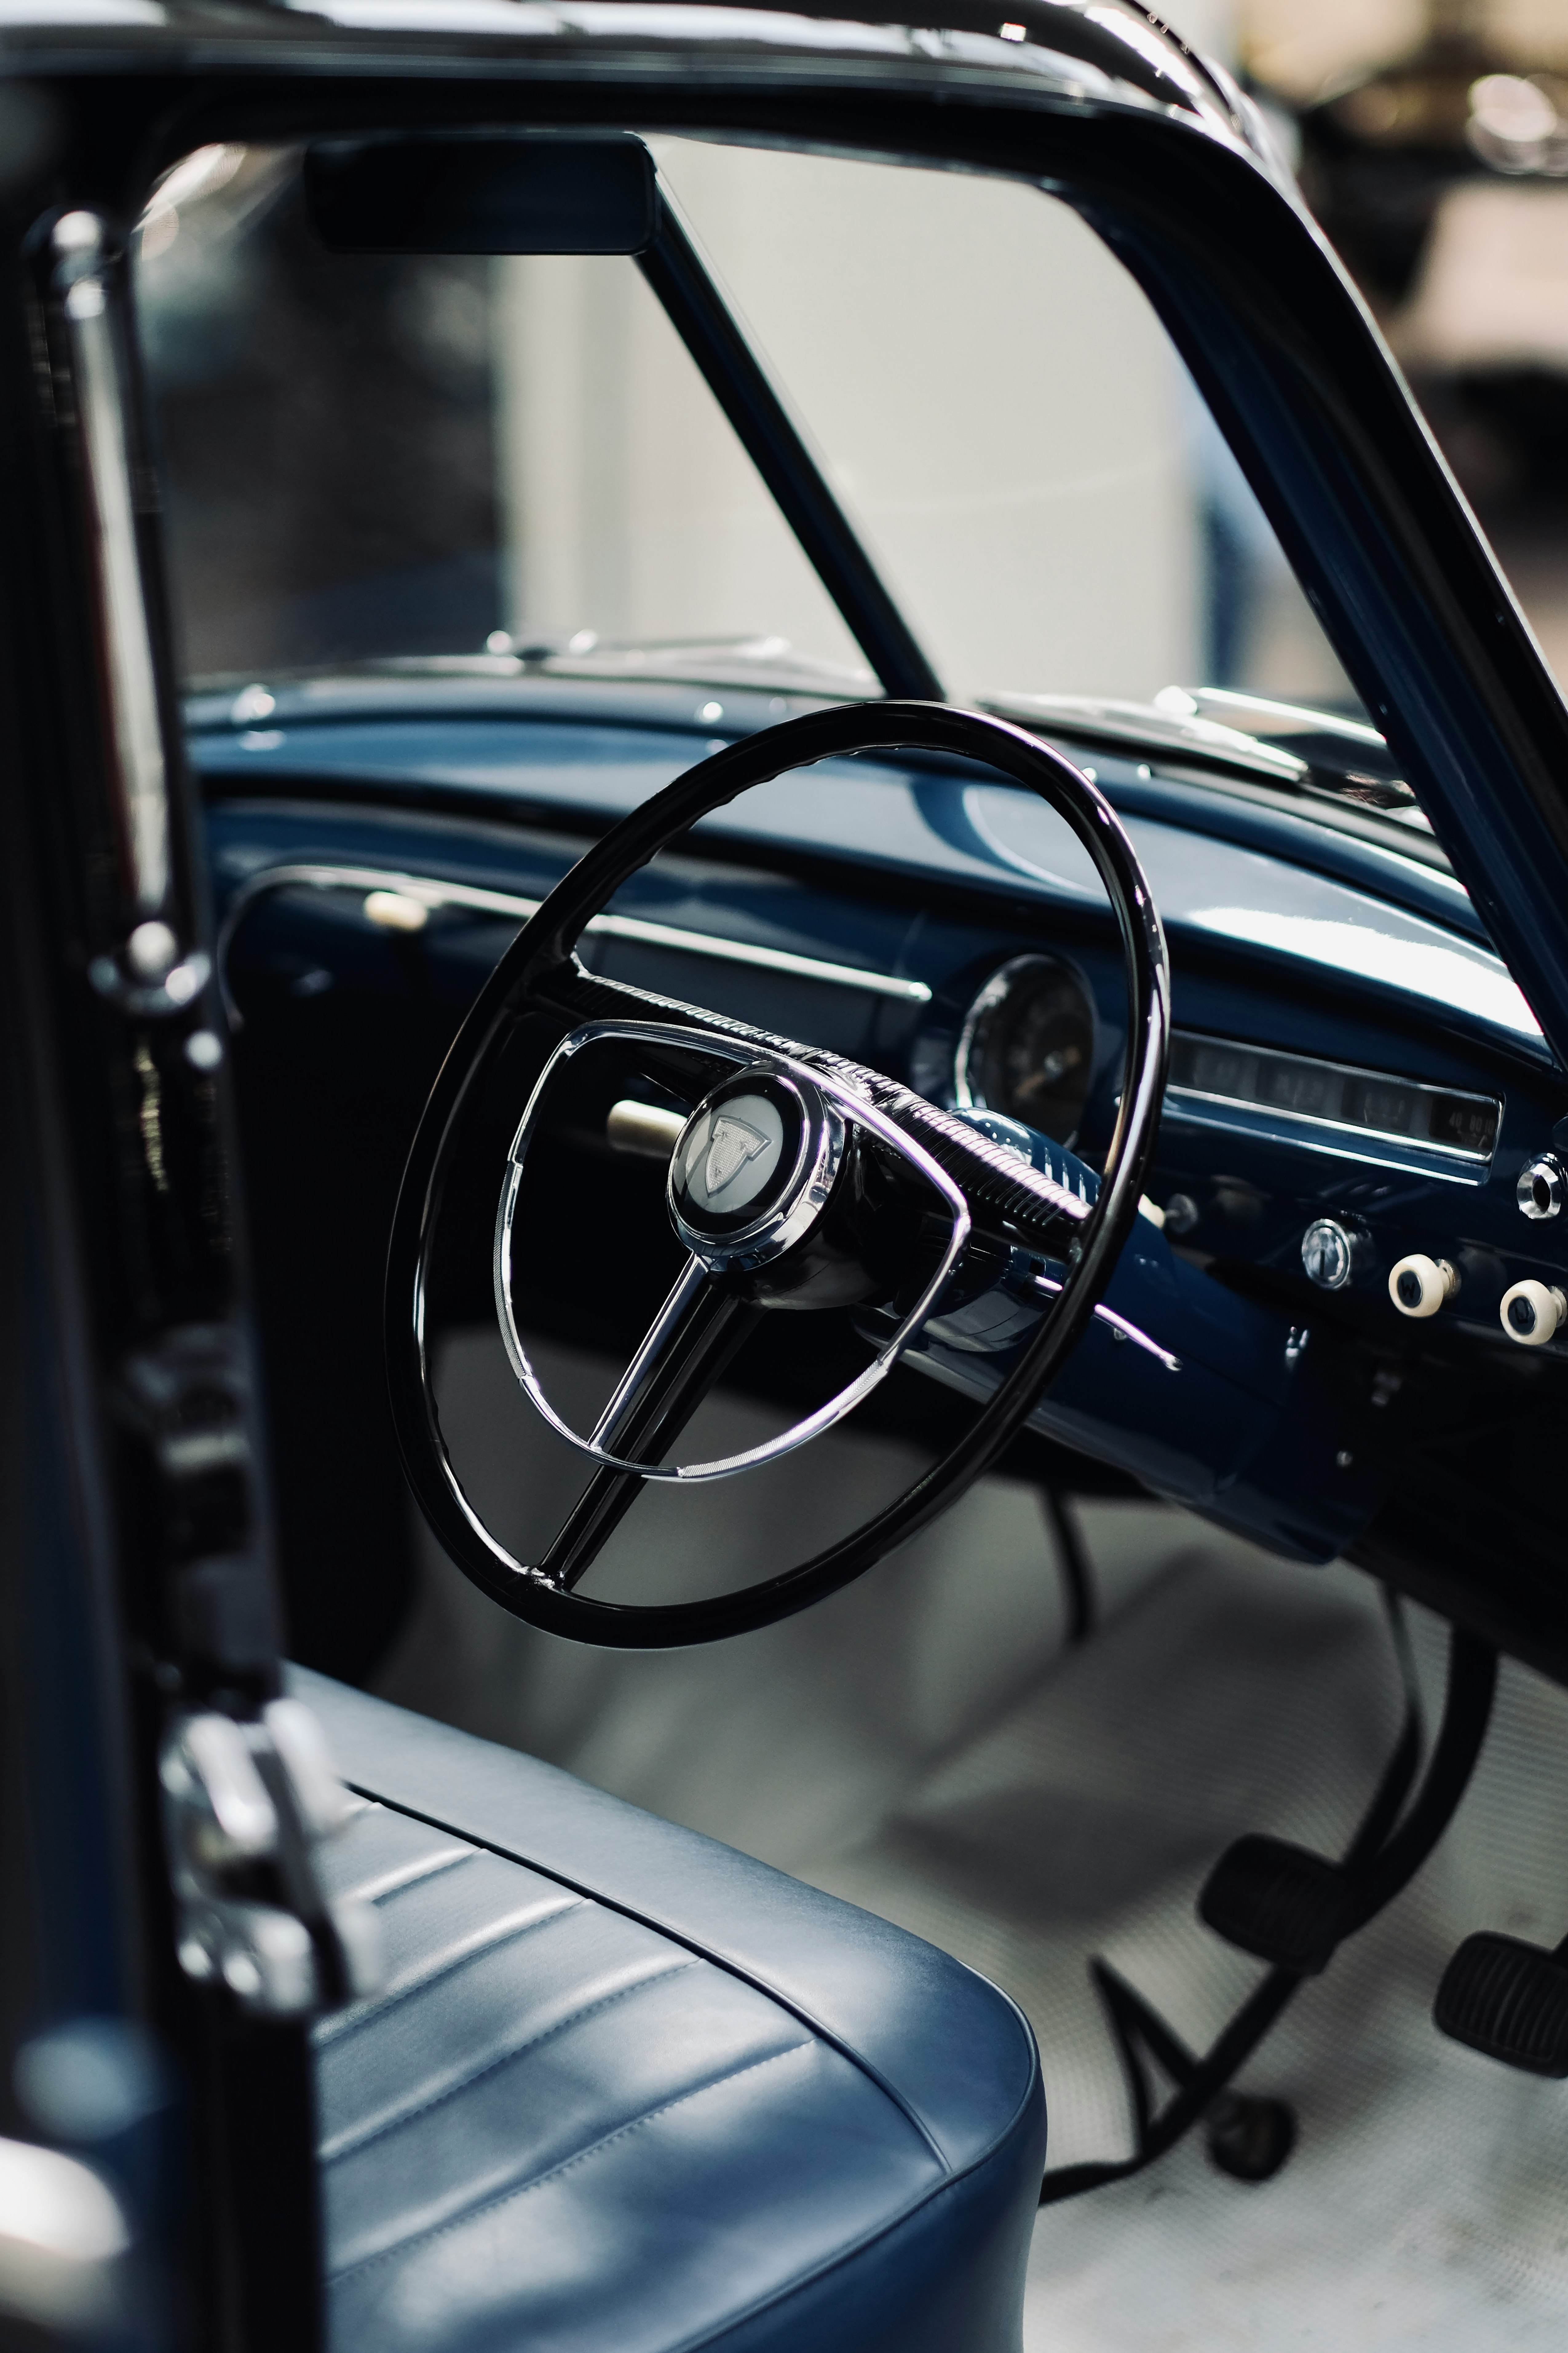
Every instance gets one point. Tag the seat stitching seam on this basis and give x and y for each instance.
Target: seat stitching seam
(403, 1877)
(331, 2152)
(522, 2188)
(338, 2028)
(742, 1971)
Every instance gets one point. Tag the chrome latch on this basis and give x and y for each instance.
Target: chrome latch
(245, 1808)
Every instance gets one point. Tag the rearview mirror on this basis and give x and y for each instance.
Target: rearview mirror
(499, 191)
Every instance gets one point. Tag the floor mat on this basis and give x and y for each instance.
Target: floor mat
(927, 1744)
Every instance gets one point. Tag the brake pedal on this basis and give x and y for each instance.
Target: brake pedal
(1508, 2000)
(1279, 1902)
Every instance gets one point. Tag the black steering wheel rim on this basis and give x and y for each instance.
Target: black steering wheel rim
(539, 969)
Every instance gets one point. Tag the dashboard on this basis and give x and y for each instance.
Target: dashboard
(1354, 1249)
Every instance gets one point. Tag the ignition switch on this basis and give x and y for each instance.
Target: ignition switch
(1334, 1254)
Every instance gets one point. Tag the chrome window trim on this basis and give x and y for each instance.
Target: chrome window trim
(93, 301)
(430, 891)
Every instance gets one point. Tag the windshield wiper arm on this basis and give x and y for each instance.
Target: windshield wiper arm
(1346, 757)
(1277, 742)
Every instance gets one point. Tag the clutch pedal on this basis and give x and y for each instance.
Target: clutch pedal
(1279, 1902)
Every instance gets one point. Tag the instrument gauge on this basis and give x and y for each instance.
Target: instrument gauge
(1026, 1047)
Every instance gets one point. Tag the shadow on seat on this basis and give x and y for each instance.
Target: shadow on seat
(628, 2091)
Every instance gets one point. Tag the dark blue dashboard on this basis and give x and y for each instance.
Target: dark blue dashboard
(863, 906)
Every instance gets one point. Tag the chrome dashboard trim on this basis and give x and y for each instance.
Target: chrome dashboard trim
(432, 893)
(1118, 1325)
(1344, 1139)
(1145, 727)
(1185, 1108)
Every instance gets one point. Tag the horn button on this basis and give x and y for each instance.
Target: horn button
(753, 1168)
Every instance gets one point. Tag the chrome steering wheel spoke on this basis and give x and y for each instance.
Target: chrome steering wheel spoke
(615, 1429)
(750, 1178)
(687, 1348)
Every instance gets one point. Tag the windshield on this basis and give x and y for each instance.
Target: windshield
(372, 457)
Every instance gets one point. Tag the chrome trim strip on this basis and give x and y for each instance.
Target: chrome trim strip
(1350, 1139)
(127, 648)
(1347, 1126)
(804, 968)
(432, 893)
(1142, 726)
(1187, 1108)
(1121, 1329)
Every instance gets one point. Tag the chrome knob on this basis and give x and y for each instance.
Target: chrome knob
(1181, 1214)
(1332, 1253)
(1531, 1313)
(1418, 1285)
(1542, 1187)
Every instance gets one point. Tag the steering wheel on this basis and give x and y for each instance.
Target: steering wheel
(799, 1179)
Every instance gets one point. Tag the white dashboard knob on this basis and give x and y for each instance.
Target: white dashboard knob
(1418, 1285)
(1531, 1312)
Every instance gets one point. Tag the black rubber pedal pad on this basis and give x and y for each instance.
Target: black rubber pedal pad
(1509, 1999)
(1281, 1902)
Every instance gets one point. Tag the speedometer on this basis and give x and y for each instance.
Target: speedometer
(1026, 1047)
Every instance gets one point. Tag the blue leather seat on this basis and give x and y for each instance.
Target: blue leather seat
(627, 2091)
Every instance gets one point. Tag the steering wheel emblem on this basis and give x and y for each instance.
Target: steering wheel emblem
(755, 1165)
(733, 1144)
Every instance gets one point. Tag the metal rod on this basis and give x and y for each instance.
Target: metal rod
(1120, 1327)
(428, 892)
(126, 643)
(773, 441)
